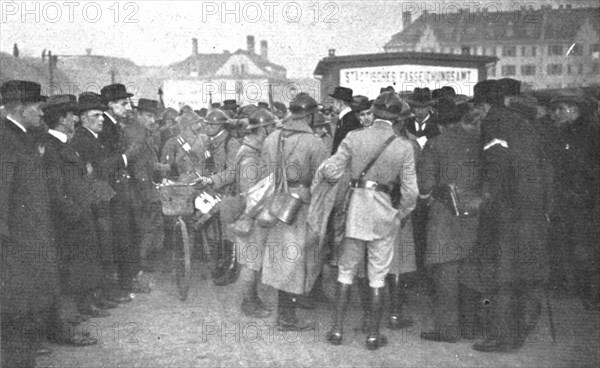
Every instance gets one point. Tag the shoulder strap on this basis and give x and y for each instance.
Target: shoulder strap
(381, 149)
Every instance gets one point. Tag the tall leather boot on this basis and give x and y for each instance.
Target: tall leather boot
(341, 303)
(375, 340)
(397, 297)
(364, 291)
(251, 304)
(287, 320)
(230, 271)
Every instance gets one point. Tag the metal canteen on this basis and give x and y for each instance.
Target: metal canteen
(285, 207)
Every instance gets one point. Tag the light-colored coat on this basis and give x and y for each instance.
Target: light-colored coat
(370, 213)
(285, 262)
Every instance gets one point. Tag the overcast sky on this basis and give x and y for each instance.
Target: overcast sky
(160, 32)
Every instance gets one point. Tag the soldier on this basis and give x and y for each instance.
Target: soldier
(301, 152)
(451, 237)
(219, 171)
(251, 248)
(100, 164)
(377, 160)
(362, 109)
(321, 128)
(182, 166)
(513, 221)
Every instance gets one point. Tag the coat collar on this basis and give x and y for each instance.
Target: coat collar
(58, 135)
(253, 142)
(219, 138)
(297, 126)
(17, 124)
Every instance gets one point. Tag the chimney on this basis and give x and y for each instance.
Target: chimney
(331, 52)
(264, 49)
(569, 6)
(406, 18)
(561, 6)
(194, 46)
(250, 43)
(88, 51)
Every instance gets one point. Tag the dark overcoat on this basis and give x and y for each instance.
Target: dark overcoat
(29, 267)
(71, 199)
(516, 184)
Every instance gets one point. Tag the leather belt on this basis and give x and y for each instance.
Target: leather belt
(367, 184)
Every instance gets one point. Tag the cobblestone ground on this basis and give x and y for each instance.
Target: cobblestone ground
(208, 330)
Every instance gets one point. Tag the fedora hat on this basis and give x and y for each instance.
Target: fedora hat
(90, 101)
(342, 93)
(148, 105)
(389, 106)
(509, 86)
(361, 103)
(572, 97)
(114, 92)
(421, 97)
(229, 105)
(387, 89)
(21, 91)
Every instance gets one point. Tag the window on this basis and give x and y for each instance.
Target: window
(577, 50)
(555, 50)
(491, 71)
(554, 69)
(508, 70)
(528, 69)
(528, 51)
(242, 68)
(509, 51)
(465, 50)
(492, 51)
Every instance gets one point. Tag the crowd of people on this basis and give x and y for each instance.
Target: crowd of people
(493, 198)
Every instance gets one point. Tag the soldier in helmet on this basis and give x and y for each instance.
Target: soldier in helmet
(219, 171)
(301, 152)
(378, 160)
(261, 124)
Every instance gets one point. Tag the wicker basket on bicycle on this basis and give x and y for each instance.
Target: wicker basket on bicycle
(177, 199)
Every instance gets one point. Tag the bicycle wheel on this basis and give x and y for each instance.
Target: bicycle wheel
(181, 258)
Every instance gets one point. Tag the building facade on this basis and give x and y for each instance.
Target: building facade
(244, 76)
(546, 47)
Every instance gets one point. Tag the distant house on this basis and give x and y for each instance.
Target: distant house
(546, 47)
(244, 76)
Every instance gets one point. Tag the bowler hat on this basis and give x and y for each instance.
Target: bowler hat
(22, 92)
(148, 105)
(421, 97)
(488, 91)
(342, 93)
(263, 105)
(60, 104)
(90, 101)
(114, 92)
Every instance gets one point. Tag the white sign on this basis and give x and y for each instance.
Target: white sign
(369, 80)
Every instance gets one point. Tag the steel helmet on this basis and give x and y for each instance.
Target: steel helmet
(216, 116)
(261, 118)
(302, 105)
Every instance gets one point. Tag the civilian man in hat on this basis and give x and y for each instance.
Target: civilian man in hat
(219, 171)
(251, 247)
(513, 222)
(122, 135)
(29, 270)
(321, 128)
(377, 160)
(575, 155)
(230, 107)
(100, 165)
(362, 109)
(302, 152)
(422, 128)
(451, 235)
(151, 219)
(347, 121)
(71, 201)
